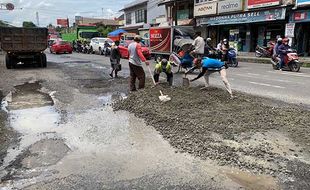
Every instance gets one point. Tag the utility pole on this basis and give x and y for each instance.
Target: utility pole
(102, 13)
(38, 21)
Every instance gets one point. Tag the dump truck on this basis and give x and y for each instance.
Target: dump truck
(24, 45)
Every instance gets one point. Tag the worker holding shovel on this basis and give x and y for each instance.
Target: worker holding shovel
(163, 66)
(136, 58)
(209, 66)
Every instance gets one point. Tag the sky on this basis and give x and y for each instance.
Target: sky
(50, 10)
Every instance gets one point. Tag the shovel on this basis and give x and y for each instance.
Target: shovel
(162, 97)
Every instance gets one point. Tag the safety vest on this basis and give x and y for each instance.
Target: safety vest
(159, 67)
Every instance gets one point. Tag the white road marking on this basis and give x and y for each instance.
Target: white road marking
(254, 74)
(291, 74)
(264, 84)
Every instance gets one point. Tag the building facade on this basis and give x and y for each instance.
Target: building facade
(245, 23)
(142, 14)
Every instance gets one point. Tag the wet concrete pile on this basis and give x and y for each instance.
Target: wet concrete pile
(208, 124)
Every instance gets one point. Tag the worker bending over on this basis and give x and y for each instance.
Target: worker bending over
(163, 66)
(209, 66)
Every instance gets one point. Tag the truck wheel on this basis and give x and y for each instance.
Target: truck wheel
(43, 60)
(8, 62)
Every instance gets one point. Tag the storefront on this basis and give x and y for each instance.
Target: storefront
(301, 18)
(247, 29)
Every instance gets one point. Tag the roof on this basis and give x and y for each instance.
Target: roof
(167, 2)
(117, 32)
(133, 4)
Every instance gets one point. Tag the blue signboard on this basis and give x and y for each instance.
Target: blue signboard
(247, 17)
(303, 2)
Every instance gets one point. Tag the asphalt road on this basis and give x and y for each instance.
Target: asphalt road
(255, 79)
(79, 142)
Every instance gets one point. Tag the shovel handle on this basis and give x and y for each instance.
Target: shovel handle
(151, 75)
(161, 93)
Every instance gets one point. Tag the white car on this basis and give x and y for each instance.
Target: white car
(97, 44)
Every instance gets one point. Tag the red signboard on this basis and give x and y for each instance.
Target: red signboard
(63, 22)
(262, 3)
(160, 40)
(300, 16)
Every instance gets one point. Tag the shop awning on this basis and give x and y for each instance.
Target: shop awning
(241, 18)
(117, 32)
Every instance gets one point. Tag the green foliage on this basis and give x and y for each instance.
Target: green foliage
(3, 24)
(104, 30)
(28, 24)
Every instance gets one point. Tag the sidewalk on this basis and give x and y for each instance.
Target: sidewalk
(250, 58)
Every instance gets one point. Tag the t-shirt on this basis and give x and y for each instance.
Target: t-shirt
(199, 45)
(135, 54)
(211, 63)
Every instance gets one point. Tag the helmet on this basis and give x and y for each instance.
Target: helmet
(208, 39)
(279, 40)
(225, 40)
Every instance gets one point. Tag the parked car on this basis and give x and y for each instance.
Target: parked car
(97, 45)
(123, 48)
(61, 46)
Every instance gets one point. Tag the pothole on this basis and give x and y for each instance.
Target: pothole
(28, 96)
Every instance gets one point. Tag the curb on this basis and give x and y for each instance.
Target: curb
(306, 63)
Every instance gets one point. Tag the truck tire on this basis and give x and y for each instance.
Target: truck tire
(43, 60)
(8, 62)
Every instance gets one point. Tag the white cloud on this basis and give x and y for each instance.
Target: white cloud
(50, 10)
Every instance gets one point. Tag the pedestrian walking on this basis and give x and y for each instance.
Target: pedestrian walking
(136, 58)
(115, 59)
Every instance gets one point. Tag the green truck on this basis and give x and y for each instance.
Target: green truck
(83, 33)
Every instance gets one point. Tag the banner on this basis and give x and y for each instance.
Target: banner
(205, 9)
(248, 17)
(229, 6)
(290, 30)
(262, 3)
(303, 3)
(160, 40)
(63, 22)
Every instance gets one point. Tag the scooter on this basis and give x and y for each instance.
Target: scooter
(291, 61)
(262, 51)
(232, 58)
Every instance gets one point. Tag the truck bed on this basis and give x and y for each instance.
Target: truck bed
(23, 39)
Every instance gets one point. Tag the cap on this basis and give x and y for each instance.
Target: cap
(137, 38)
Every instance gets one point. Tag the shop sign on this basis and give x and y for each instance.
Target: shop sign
(303, 3)
(262, 3)
(229, 6)
(205, 9)
(248, 17)
(300, 16)
(290, 30)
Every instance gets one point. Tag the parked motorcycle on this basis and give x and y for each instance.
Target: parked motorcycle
(87, 49)
(291, 61)
(232, 58)
(262, 51)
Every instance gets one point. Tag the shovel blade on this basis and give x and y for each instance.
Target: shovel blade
(164, 98)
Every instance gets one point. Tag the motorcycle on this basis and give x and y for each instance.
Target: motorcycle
(232, 58)
(262, 51)
(87, 49)
(291, 61)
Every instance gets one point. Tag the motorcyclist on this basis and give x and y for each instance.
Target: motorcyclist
(283, 51)
(275, 55)
(209, 49)
(224, 50)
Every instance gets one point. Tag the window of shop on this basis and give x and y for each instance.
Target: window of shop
(128, 18)
(140, 16)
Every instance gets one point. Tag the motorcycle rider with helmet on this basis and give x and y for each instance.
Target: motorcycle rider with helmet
(283, 51)
(275, 56)
(224, 50)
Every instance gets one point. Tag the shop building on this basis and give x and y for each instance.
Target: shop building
(245, 23)
(300, 27)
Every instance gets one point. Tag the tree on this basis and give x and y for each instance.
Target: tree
(28, 24)
(3, 24)
(104, 29)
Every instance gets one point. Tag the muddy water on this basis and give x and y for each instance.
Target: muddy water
(100, 146)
